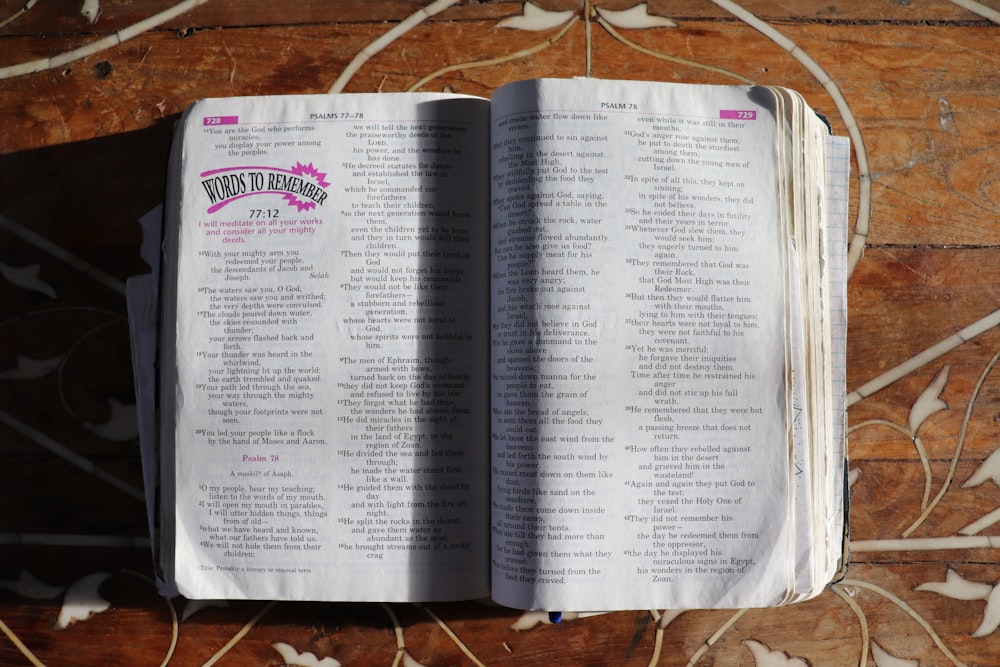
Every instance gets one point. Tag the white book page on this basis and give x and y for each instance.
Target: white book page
(329, 392)
(838, 172)
(640, 450)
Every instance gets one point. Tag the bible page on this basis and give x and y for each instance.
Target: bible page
(640, 442)
(325, 351)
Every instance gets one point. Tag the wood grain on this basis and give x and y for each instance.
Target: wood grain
(83, 155)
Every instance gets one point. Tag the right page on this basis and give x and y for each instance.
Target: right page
(642, 438)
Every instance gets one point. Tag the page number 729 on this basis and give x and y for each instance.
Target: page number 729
(738, 114)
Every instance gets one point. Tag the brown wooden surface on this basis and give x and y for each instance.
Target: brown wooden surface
(83, 154)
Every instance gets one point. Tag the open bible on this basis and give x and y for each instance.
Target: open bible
(579, 346)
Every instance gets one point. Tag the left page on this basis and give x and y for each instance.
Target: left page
(324, 355)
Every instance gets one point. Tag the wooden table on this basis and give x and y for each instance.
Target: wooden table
(87, 101)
